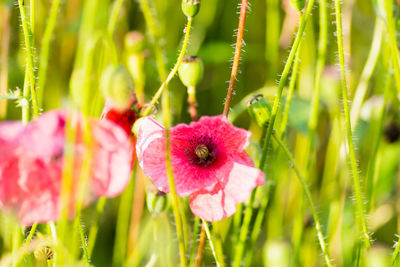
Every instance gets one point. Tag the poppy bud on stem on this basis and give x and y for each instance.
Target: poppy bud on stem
(259, 110)
(191, 72)
(134, 50)
(190, 7)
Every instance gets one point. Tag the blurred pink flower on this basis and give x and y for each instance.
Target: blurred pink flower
(31, 161)
(209, 163)
(125, 119)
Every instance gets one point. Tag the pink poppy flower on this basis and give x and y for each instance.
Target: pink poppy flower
(31, 161)
(209, 163)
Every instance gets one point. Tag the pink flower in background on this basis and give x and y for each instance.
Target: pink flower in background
(209, 163)
(31, 161)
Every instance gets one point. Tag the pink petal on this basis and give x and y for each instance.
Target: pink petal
(111, 168)
(221, 202)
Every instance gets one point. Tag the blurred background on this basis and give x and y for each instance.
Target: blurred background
(287, 237)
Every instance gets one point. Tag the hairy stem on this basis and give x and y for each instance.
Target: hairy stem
(353, 161)
(236, 58)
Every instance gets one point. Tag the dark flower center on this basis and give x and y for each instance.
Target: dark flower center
(201, 151)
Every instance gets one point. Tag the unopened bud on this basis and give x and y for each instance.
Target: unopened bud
(116, 85)
(298, 4)
(190, 7)
(259, 110)
(191, 71)
(156, 203)
(134, 42)
(43, 254)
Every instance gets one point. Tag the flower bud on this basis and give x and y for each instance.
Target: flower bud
(298, 4)
(134, 42)
(191, 71)
(259, 110)
(190, 7)
(43, 254)
(116, 85)
(156, 203)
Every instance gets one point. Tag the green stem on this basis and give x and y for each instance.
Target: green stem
(292, 85)
(391, 28)
(94, 228)
(123, 221)
(194, 238)
(175, 203)
(29, 75)
(31, 233)
(249, 209)
(211, 242)
(114, 16)
(353, 161)
(367, 72)
(298, 40)
(84, 245)
(32, 8)
(45, 49)
(307, 192)
(173, 71)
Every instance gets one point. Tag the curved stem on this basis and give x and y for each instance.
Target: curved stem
(307, 192)
(367, 72)
(174, 69)
(84, 245)
(211, 242)
(236, 58)
(292, 85)
(29, 74)
(353, 161)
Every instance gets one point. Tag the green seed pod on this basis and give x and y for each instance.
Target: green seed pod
(259, 110)
(43, 254)
(156, 203)
(190, 7)
(116, 84)
(191, 71)
(134, 42)
(298, 4)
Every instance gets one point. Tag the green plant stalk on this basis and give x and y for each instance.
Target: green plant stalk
(175, 199)
(249, 209)
(211, 242)
(360, 217)
(371, 172)
(292, 84)
(367, 72)
(173, 71)
(272, 34)
(114, 16)
(31, 233)
(298, 40)
(45, 50)
(25, 105)
(32, 9)
(391, 28)
(5, 48)
(94, 227)
(152, 27)
(307, 192)
(257, 227)
(84, 245)
(123, 220)
(194, 238)
(29, 75)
